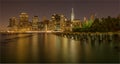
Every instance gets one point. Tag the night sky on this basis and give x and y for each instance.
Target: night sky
(102, 8)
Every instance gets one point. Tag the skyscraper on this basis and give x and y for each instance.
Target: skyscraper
(72, 15)
(13, 23)
(24, 23)
(23, 17)
(35, 21)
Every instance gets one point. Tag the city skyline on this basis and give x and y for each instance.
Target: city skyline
(42, 8)
(58, 22)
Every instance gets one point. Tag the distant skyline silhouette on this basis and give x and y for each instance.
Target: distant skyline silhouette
(41, 8)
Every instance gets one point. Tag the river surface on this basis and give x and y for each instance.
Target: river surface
(49, 48)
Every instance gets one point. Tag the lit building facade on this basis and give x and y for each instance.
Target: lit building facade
(13, 24)
(58, 22)
(77, 23)
(72, 15)
(35, 21)
(25, 25)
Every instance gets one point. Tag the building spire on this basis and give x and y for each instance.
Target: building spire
(72, 14)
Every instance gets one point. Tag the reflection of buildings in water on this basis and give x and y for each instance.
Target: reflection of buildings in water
(50, 49)
(76, 55)
(65, 49)
(73, 51)
(50, 46)
(22, 49)
(34, 46)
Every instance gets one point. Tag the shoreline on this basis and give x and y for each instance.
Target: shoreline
(117, 32)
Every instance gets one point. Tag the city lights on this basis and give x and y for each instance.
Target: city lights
(59, 31)
(57, 23)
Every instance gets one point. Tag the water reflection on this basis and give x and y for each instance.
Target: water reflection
(22, 45)
(46, 47)
(35, 47)
(50, 47)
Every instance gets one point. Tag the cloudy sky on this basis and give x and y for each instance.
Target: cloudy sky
(102, 8)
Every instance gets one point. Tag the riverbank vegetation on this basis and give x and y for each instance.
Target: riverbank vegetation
(108, 24)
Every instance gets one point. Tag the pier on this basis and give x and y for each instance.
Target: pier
(88, 35)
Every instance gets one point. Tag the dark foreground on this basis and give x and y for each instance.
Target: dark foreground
(49, 48)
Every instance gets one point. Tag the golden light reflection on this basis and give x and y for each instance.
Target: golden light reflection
(22, 50)
(50, 46)
(73, 50)
(35, 46)
(87, 50)
(65, 49)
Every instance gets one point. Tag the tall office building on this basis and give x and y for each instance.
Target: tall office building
(62, 22)
(23, 16)
(56, 21)
(35, 21)
(13, 23)
(72, 15)
(24, 22)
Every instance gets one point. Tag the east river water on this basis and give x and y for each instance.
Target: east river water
(50, 48)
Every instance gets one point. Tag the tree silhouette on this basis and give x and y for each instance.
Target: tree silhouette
(108, 24)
